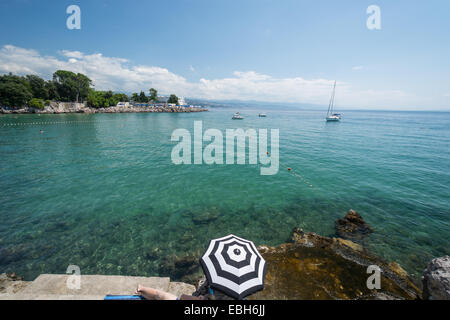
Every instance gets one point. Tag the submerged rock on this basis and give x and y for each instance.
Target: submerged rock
(153, 254)
(317, 267)
(12, 254)
(436, 279)
(185, 268)
(352, 226)
(205, 217)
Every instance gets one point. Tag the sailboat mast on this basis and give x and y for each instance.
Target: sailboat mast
(330, 105)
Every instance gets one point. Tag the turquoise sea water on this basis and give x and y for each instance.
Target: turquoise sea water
(100, 191)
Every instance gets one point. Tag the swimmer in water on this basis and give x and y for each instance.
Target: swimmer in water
(41, 131)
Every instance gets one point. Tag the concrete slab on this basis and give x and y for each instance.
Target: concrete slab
(92, 285)
(20, 296)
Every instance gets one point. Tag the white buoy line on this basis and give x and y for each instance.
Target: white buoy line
(12, 124)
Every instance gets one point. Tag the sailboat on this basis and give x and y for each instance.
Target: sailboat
(330, 115)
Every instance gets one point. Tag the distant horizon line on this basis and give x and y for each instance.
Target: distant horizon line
(313, 106)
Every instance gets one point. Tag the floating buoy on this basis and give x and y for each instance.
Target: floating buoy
(289, 169)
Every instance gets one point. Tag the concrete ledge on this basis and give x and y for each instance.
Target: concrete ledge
(20, 296)
(54, 284)
(93, 287)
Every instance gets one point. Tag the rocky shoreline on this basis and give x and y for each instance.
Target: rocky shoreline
(72, 107)
(310, 266)
(314, 267)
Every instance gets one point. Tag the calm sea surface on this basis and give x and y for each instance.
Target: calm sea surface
(100, 191)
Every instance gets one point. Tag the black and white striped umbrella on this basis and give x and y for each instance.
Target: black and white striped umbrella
(234, 266)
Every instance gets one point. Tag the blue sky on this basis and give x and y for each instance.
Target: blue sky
(283, 51)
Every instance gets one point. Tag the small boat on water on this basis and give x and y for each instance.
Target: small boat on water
(262, 115)
(331, 116)
(237, 116)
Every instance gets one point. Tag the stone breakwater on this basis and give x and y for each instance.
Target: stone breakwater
(72, 107)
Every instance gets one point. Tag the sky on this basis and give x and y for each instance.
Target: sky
(260, 50)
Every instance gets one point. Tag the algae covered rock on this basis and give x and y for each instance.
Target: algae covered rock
(317, 267)
(352, 226)
(205, 217)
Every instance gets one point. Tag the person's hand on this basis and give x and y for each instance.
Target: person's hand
(138, 289)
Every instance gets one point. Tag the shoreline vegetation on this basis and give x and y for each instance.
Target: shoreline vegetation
(68, 92)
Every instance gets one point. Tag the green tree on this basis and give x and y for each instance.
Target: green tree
(153, 95)
(173, 99)
(36, 103)
(105, 99)
(96, 99)
(71, 86)
(15, 91)
(51, 90)
(38, 87)
(135, 97)
(83, 84)
(142, 97)
(119, 97)
(64, 82)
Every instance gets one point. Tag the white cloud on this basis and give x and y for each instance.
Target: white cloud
(72, 54)
(118, 74)
(192, 68)
(357, 68)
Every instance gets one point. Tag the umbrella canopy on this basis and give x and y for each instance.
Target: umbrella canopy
(234, 266)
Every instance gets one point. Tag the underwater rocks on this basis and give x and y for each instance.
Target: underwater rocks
(12, 254)
(205, 217)
(185, 268)
(317, 267)
(153, 254)
(436, 279)
(352, 226)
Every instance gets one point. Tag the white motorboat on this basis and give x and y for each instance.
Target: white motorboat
(237, 116)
